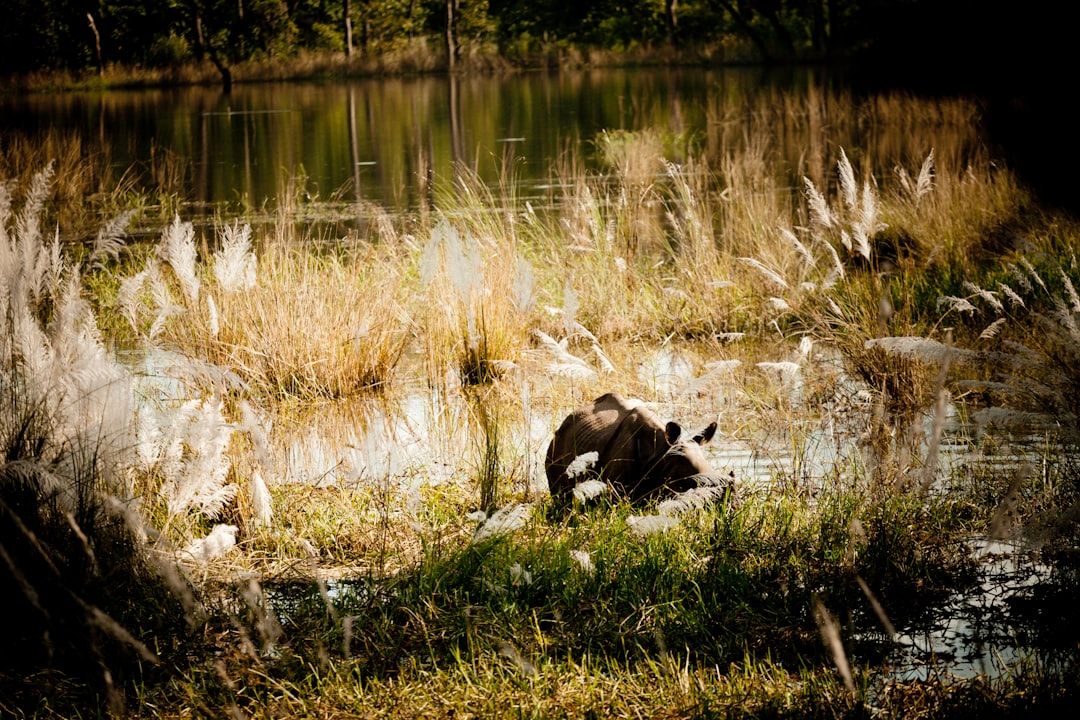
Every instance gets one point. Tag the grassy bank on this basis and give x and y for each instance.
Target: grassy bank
(321, 462)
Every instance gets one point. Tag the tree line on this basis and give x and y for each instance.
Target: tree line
(80, 35)
(88, 34)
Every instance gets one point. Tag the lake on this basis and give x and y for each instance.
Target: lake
(396, 142)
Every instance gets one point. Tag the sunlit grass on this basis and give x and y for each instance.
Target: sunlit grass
(395, 549)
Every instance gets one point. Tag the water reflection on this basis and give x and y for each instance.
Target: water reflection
(981, 630)
(398, 143)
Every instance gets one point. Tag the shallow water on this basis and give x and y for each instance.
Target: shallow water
(983, 629)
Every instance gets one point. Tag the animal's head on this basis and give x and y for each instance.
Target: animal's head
(677, 458)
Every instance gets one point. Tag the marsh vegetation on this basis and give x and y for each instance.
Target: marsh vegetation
(264, 473)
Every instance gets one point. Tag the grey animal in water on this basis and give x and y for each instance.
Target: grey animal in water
(637, 455)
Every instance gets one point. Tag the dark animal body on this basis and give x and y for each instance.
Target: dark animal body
(637, 455)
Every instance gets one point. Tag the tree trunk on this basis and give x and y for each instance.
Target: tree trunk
(97, 45)
(671, 17)
(451, 34)
(201, 46)
(347, 16)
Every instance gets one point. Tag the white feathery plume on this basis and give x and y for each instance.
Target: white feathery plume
(430, 258)
(951, 303)
(127, 297)
(523, 663)
(550, 344)
(830, 635)
(234, 263)
(110, 239)
(261, 501)
(779, 304)
(584, 561)
(770, 274)
(177, 248)
(802, 250)
(988, 296)
(164, 305)
(992, 329)
(868, 223)
(221, 540)
(784, 368)
(1032, 272)
(519, 575)
(503, 521)
(649, 524)
(582, 463)
(845, 240)
(571, 371)
(577, 328)
(464, 262)
(819, 208)
(692, 499)
(1073, 297)
(1066, 319)
(201, 480)
(1021, 278)
(848, 188)
(678, 293)
(837, 273)
(260, 495)
(926, 177)
(589, 489)
(28, 222)
(1011, 294)
(605, 363)
(564, 363)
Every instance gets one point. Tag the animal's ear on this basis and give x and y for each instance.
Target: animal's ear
(672, 432)
(706, 435)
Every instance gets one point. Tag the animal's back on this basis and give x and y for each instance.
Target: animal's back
(590, 428)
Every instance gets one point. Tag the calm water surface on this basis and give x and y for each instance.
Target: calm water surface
(393, 141)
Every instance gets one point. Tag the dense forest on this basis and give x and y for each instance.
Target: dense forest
(80, 35)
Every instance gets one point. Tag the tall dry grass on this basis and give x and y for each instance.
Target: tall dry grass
(294, 323)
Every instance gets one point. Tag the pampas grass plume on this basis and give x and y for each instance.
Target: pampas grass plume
(848, 188)
(234, 263)
(503, 521)
(589, 489)
(177, 248)
(584, 561)
(221, 540)
(650, 524)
